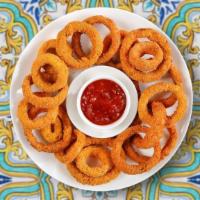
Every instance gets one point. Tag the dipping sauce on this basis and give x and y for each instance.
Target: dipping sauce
(103, 102)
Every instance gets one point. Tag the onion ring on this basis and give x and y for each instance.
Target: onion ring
(84, 179)
(120, 162)
(141, 48)
(98, 141)
(69, 155)
(154, 36)
(46, 101)
(48, 46)
(132, 154)
(47, 133)
(152, 136)
(64, 49)
(115, 39)
(177, 79)
(151, 91)
(101, 154)
(39, 122)
(49, 74)
(52, 147)
(52, 135)
(155, 133)
(57, 65)
(115, 60)
(171, 142)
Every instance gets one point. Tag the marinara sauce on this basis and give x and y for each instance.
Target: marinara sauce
(103, 102)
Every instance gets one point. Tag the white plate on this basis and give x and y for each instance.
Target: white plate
(72, 98)
(47, 162)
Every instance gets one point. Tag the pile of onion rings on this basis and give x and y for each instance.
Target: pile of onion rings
(145, 56)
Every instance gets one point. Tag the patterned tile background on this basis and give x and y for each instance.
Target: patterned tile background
(20, 178)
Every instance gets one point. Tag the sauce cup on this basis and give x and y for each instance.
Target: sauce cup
(117, 122)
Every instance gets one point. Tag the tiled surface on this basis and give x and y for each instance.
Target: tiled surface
(20, 178)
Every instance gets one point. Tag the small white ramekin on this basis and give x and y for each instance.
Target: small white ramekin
(114, 124)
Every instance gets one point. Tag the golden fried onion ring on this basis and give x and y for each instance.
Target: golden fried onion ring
(48, 46)
(149, 92)
(57, 65)
(130, 39)
(170, 144)
(65, 50)
(98, 153)
(46, 101)
(84, 179)
(141, 48)
(56, 146)
(177, 79)
(72, 152)
(120, 162)
(53, 132)
(98, 141)
(39, 122)
(115, 38)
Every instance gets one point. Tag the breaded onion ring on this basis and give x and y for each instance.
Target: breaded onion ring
(151, 91)
(132, 154)
(56, 146)
(130, 39)
(53, 132)
(171, 142)
(100, 154)
(39, 122)
(115, 60)
(153, 134)
(135, 156)
(65, 50)
(84, 179)
(57, 65)
(141, 48)
(45, 101)
(48, 46)
(115, 38)
(47, 133)
(98, 141)
(70, 154)
(177, 79)
(120, 162)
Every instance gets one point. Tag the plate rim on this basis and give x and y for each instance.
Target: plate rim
(14, 77)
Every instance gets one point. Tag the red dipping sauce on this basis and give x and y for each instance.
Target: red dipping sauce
(103, 102)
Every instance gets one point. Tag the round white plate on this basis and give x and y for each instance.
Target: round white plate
(79, 81)
(47, 162)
